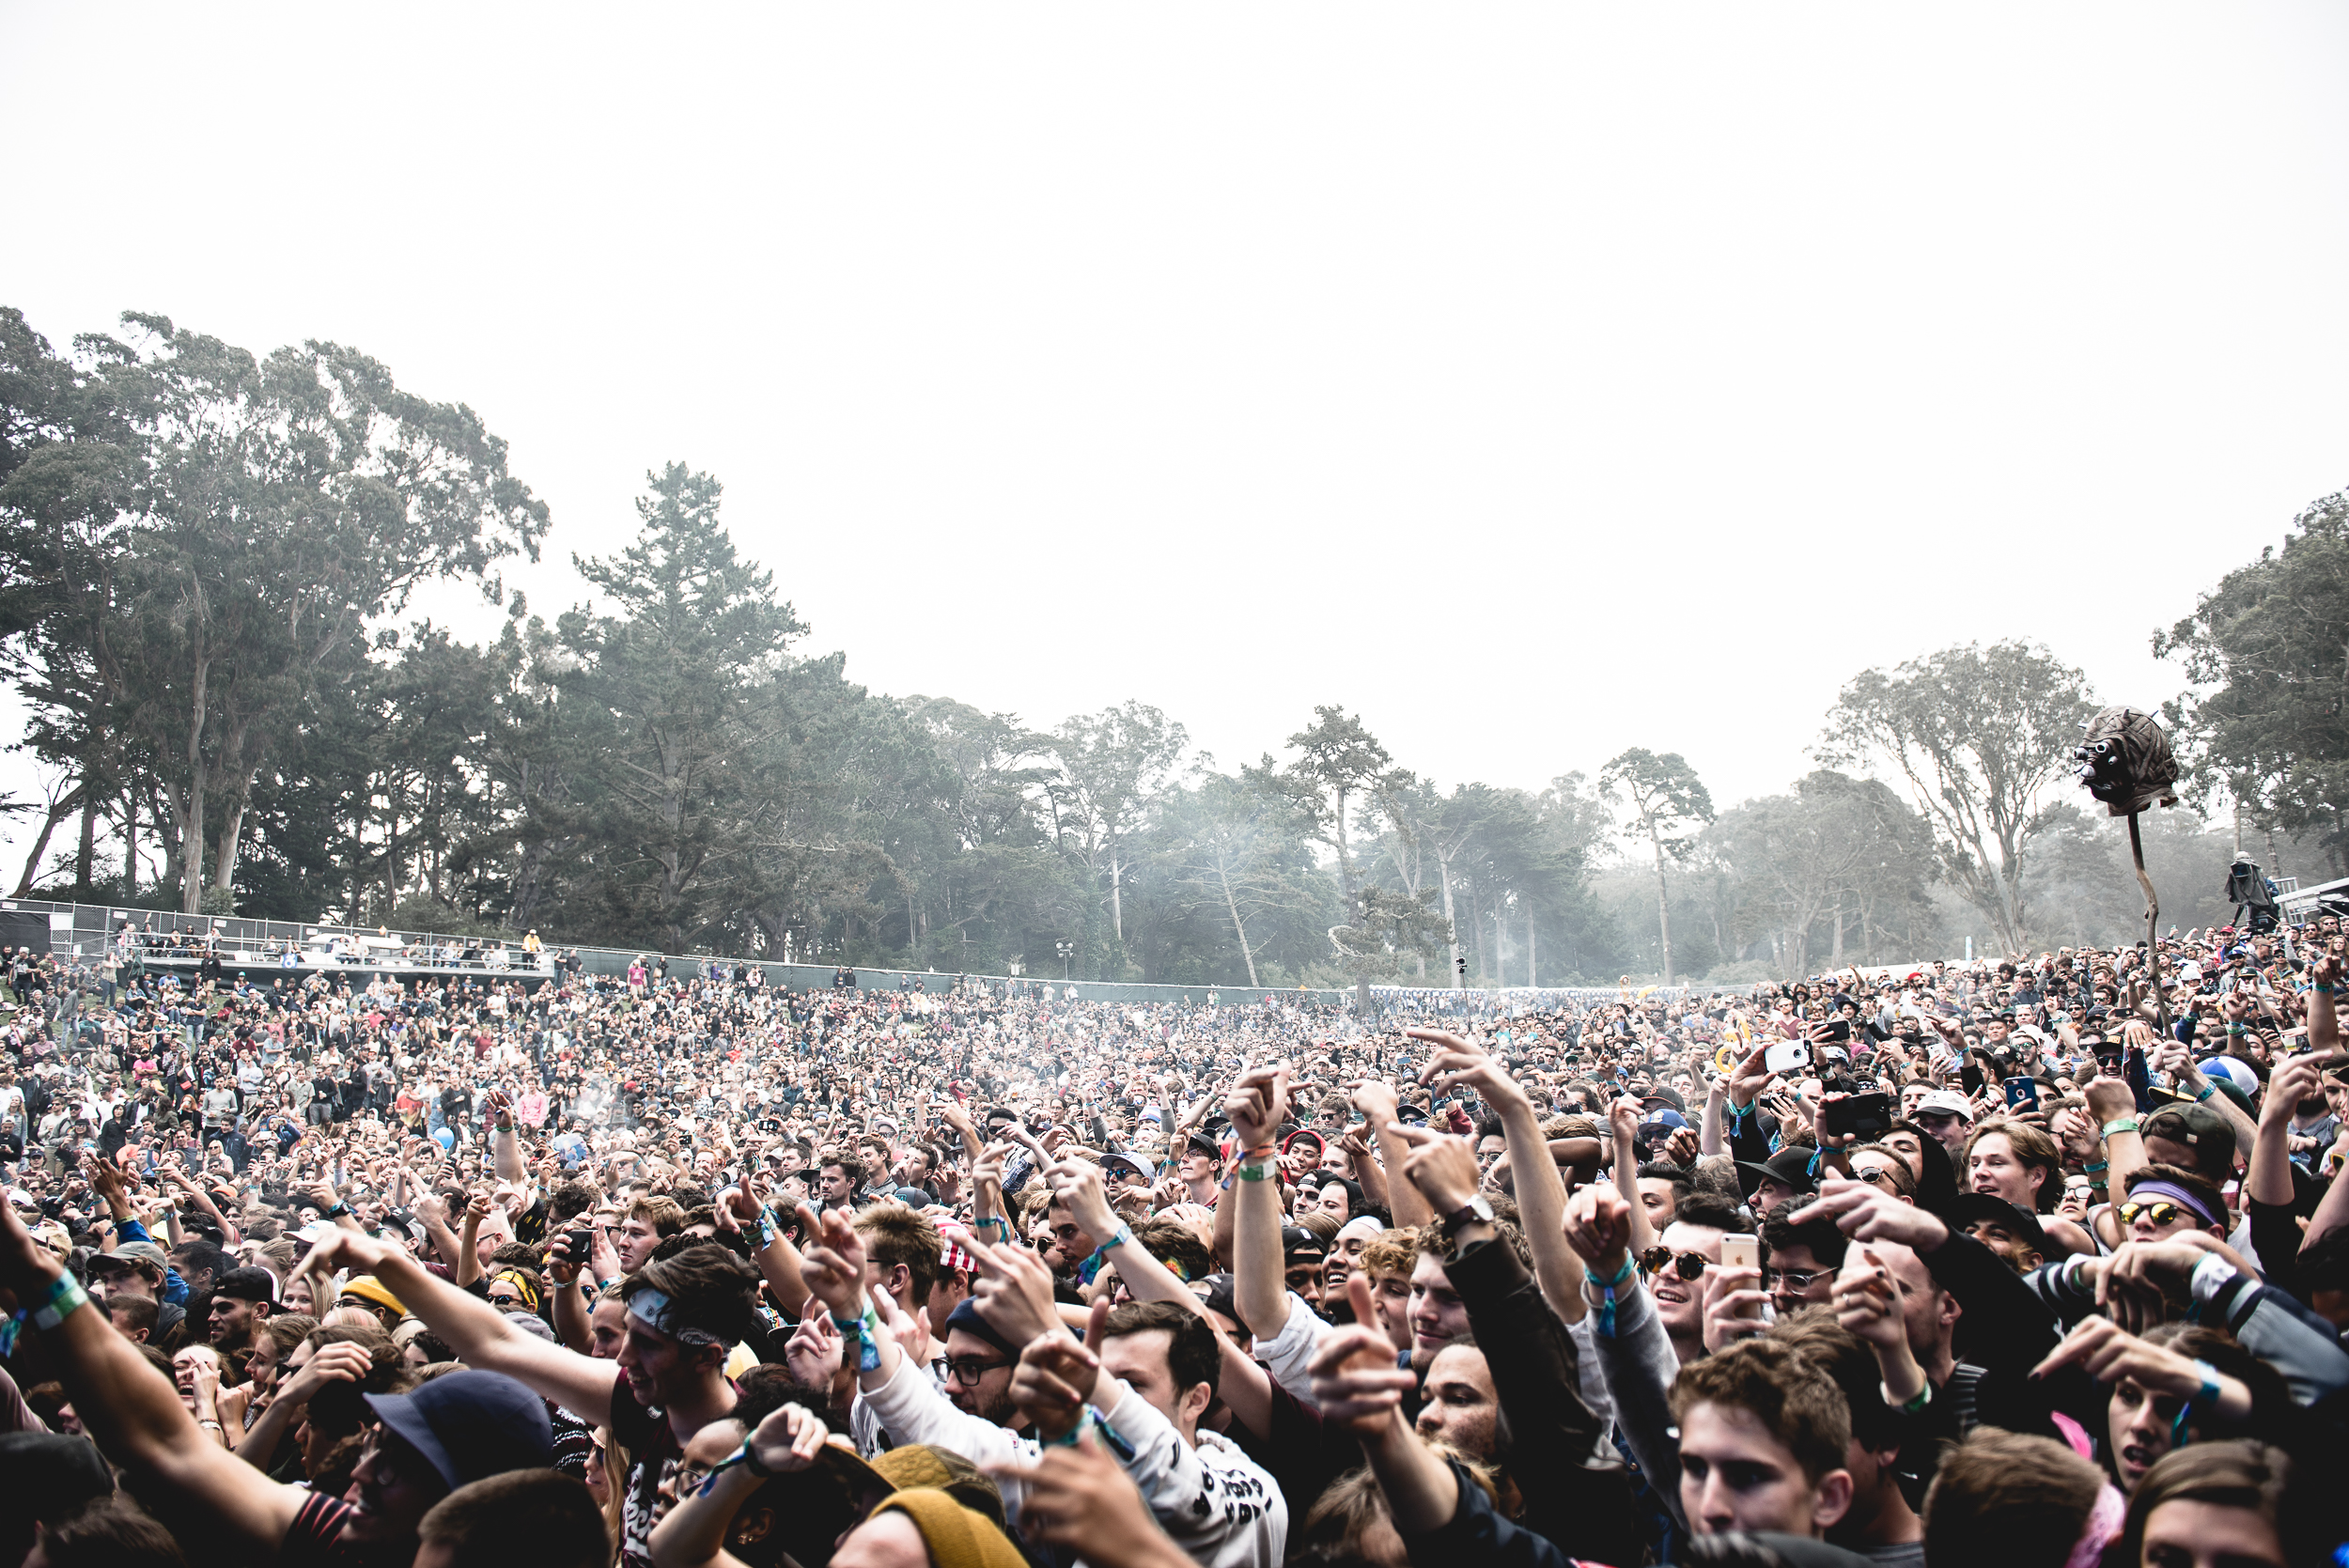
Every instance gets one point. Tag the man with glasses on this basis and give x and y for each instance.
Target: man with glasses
(2165, 1200)
(1801, 1253)
(1690, 1249)
(978, 1369)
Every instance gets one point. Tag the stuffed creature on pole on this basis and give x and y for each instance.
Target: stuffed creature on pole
(2125, 761)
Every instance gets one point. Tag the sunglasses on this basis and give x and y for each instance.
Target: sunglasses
(1688, 1265)
(1879, 1174)
(2160, 1213)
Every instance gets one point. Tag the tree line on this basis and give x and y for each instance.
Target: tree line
(210, 559)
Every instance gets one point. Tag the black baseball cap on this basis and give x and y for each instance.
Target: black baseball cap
(1788, 1167)
(1969, 1208)
(247, 1284)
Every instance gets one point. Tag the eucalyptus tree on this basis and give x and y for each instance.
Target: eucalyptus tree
(258, 520)
(1668, 805)
(1109, 767)
(1980, 736)
(2268, 649)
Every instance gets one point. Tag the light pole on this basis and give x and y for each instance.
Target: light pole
(1064, 949)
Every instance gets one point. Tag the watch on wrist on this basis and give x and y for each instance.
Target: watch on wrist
(1478, 1211)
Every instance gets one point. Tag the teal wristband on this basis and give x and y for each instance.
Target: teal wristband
(60, 1302)
(1068, 1439)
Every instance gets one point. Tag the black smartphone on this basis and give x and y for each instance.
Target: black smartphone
(1861, 1115)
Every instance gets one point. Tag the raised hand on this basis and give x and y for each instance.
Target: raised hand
(604, 1257)
(833, 1268)
(912, 1337)
(2297, 1079)
(1082, 1497)
(1750, 1078)
(1598, 1228)
(2109, 1352)
(790, 1439)
(1258, 1104)
(105, 1179)
(1866, 1212)
(1056, 1375)
(1733, 1299)
(1443, 1167)
(2081, 1141)
(1374, 1098)
(332, 1363)
(1013, 1292)
(1622, 1119)
(1355, 1380)
(2137, 1282)
(1459, 1064)
(1868, 1300)
(343, 1248)
(814, 1351)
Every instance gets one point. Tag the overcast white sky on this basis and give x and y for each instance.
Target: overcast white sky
(1537, 379)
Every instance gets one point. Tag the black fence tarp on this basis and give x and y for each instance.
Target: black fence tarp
(25, 928)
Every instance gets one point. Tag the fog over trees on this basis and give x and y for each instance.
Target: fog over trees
(211, 557)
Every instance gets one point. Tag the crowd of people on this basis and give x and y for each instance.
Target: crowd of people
(2036, 1262)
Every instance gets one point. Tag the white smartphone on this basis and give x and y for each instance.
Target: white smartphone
(1742, 1251)
(1787, 1055)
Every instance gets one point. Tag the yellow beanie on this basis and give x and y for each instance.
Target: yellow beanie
(956, 1538)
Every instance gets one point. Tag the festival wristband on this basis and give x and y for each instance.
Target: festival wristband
(2120, 1123)
(742, 1456)
(1607, 1299)
(1111, 1437)
(1911, 1407)
(59, 1302)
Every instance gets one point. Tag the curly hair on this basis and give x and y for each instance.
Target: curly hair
(1391, 1252)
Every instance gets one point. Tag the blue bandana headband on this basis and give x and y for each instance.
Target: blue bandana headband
(659, 1313)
